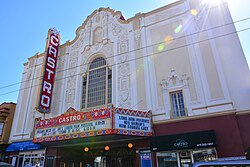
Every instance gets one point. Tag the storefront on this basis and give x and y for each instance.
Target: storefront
(24, 153)
(104, 137)
(181, 150)
(2, 151)
(112, 150)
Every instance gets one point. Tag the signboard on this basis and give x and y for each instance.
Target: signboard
(132, 122)
(74, 124)
(127, 122)
(75, 128)
(104, 121)
(44, 102)
(192, 140)
(145, 158)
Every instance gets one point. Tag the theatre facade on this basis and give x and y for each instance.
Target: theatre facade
(164, 88)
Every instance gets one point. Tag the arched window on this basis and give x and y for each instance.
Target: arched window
(97, 84)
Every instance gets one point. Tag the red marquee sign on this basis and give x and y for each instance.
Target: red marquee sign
(105, 121)
(44, 102)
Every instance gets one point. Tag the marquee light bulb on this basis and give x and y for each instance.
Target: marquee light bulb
(86, 149)
(130, 145)
(106, 148)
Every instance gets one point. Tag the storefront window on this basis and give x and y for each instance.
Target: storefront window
(1, 127)
(204, 155)
(166, 159)
(36, 160)
(185, 158)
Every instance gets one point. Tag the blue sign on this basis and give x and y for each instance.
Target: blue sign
(23, 146)
(146, 159)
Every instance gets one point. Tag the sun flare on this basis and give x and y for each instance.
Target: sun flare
(213, 2)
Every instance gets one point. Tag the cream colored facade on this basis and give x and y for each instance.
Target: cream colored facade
(151, 55)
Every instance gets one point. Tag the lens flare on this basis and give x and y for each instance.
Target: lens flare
(178, 29)
(168, 39)
(193, 12)
(161, 47)
(213, 2)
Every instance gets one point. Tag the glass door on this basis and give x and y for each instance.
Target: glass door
(185, 158)
(166, 159)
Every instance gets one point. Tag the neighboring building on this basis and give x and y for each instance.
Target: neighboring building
(183, 62)
(7, 111)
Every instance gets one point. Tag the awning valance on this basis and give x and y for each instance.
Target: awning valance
(23, 146)
(183, 141)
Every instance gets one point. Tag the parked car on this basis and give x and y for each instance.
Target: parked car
(241, 163)
(4, 164)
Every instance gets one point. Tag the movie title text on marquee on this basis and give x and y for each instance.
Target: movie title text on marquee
(105, 121)
(134, 123)
(75, 128)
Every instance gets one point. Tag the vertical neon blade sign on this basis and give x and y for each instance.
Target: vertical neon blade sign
(44, 103)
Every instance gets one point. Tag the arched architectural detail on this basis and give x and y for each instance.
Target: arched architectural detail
(96, 83)
(176, 95)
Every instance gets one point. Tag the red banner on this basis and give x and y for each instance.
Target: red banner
(44, 102)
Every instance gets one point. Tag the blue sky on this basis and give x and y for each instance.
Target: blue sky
(24, 26)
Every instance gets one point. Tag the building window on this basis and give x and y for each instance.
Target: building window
(177, 104)
(97, 84)
(167, 159)
(1, 128)
(176, 95)
(205, 155)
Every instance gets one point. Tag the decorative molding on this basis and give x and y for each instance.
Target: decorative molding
(61, 63)
(116, 29)
(70, 93)
(174, 81)
(97, 47)
(71, 81)
(137, 36)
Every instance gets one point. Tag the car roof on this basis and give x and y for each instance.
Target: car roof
(241, 162)
(4, 164)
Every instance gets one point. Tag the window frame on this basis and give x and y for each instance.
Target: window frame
(172, 114)
(1, 129)
(86, 78)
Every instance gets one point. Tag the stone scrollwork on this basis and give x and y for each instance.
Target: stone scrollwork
(116, 29)
(124, 68)
(71, 80)
(73, 64)
(61, 62)
(70, 93)
(96, 48)
(174, 81)
(137, 36)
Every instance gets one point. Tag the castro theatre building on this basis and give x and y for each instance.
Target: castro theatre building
(164, 88)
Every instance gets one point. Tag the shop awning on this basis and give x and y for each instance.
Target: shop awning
(183, 141)
(23, 146)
